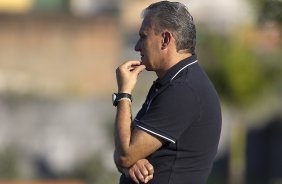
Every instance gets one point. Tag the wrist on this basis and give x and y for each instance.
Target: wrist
(125, 91)
(117, 97)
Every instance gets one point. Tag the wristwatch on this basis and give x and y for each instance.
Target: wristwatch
(116, 97)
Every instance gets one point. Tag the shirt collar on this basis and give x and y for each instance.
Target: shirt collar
(171, 73)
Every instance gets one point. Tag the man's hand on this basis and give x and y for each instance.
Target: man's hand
(126, 75)
(141, 172)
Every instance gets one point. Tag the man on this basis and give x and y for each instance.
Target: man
(175, 135)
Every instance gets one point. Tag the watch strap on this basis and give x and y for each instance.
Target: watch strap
(121, 96)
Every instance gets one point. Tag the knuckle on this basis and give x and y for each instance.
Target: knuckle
(150, 177)
(145, 172)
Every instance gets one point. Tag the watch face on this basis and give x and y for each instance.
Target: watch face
(114, 96)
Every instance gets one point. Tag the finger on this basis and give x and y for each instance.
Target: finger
(143, 170)
(139, 175)
(148, 178)
(131, 63)
(141, 165)
(149, 168)
(139, 69)
(133, 177)
(128, 66)
(131, 68)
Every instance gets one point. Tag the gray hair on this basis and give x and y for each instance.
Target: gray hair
(174, 17)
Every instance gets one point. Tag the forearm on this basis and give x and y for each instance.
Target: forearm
(131, 144)
(123, 130)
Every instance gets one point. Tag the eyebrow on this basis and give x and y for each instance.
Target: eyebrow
(142, 34)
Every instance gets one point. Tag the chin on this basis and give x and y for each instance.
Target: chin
(148, 68)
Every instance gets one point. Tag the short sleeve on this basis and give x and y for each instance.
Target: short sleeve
(170, 112)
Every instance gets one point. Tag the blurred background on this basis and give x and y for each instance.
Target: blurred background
(57, 74)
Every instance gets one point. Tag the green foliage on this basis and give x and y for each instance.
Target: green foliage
(243, 74)
(8, 165)
(51, 5)
(239, 73)
(269, 10)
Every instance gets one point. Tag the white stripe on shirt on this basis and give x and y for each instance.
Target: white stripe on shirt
(159, 135)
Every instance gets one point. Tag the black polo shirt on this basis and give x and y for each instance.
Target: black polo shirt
(182, 108)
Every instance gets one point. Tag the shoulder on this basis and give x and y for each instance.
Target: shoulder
(177, 94)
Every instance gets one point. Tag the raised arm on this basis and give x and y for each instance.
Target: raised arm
(132, 144)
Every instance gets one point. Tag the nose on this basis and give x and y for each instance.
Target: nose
(137, 47)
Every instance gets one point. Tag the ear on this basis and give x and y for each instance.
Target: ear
(166, 39)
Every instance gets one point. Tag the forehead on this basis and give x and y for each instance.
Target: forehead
(146, 25)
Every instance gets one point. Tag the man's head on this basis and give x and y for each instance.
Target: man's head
(167, 30)
(174, 17)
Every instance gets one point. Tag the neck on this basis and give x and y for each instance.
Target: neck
(170, 62)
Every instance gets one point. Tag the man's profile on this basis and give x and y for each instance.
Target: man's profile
(174, 137)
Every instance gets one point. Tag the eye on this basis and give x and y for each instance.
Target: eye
(142, 36)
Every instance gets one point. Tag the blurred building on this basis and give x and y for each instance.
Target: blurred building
(16, 6)
(56, 67)
(62, 47)
(55, 53)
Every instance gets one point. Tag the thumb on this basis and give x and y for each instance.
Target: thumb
(139, 69)
(148, 178)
